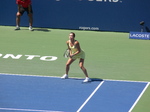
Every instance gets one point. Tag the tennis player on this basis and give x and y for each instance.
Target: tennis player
(75, 53)
(24, 6)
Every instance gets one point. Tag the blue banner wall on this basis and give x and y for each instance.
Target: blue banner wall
(105, 15)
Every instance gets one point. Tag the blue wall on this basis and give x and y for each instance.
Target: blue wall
(105, 15)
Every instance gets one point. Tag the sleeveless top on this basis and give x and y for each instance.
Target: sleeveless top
(73, 48)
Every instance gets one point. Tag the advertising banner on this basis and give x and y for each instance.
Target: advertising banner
(99, 15)
(139, 35)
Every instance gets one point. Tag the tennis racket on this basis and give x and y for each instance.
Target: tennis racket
(66, 53)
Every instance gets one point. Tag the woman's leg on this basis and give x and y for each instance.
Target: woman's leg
(81, 64)
(65, 76)
(69, 62)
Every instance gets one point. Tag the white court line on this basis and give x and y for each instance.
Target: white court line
(28, 110)
(125, 81)
(29, 75)
(90, 96)
(139, 97)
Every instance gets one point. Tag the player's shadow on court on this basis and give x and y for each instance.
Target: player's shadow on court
(37, 29)
(42, 29)
(96, 79)
(92, 79)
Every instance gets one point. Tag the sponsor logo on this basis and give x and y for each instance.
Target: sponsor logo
(114, 1)
(139, 35)
(105, 0)
(29, 57)
(88, 28)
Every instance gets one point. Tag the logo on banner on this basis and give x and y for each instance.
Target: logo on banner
(139, 35)
(88, 28)
(105, 0)
(114, 1)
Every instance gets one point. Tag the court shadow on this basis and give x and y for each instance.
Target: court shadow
(38, 29)
(42, 29)
(92, 80)
(96, 79)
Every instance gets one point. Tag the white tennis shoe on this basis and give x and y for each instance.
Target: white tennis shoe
(87, 79)
(65, 76)
(30, 28)
(17, 28)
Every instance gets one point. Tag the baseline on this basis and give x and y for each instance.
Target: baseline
(30, 110)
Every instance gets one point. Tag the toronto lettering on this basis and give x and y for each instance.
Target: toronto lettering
(29, 57)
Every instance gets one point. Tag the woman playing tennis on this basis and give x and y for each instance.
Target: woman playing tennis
(75, 53)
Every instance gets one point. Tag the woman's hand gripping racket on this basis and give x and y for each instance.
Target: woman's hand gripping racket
(66, 53)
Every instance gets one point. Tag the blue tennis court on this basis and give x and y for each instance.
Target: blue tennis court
(52, 94)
